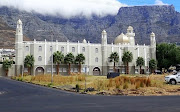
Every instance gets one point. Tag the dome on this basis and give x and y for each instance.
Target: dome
(104, 32)
(84, 41)
(152, 34)
(122, 39)
(130, 29)
(19, 22)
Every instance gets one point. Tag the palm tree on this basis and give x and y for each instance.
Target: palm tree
(152, 65)
(127, 57)
(80, 58)
(58, 58)
(114, 57)
(6, 65)
(29, 62)
(140, 62)
(69, 59)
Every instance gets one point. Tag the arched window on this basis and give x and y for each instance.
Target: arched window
(39, 58)
(96, 50)
(40, 48)
(51, 48)
(27, 48)
(62, 49)
(73, 49)
(83, 49)
(96, 59)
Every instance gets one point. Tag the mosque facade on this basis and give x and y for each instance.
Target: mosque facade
(96, 62)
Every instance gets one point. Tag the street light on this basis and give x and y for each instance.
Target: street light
(51, 58)
(85, 75)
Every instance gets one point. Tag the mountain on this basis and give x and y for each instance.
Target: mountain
(164, 21)
(7, 35)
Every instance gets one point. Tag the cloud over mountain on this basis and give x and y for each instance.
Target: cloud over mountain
(159, 2)
(67, 8)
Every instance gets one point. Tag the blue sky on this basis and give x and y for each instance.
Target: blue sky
(176, 3)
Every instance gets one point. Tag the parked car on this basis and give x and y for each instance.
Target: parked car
(112, 75)
(173, 78)
(158, 72)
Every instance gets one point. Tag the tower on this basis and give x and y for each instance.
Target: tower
(130, 34)
(104, 52)
(19, 47)
(104, 38)
(153, 45)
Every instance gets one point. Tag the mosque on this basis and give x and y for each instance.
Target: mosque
(96, 62)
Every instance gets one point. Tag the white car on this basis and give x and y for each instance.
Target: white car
(173, 78)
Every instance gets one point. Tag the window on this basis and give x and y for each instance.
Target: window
(136, 70)
(62, 49)
(50, 58)
(73, 49)
(64, 70)
(27, 48)
(40, 48)
(51, 48)
(96, 50)
(75, 69)
(123, 70)
(83, 49)
(96, 59)
(39, 58)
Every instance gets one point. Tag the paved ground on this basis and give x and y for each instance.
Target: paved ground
(21, 97)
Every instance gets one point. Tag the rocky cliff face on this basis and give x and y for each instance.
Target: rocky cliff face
(164, 21)
(7, 35)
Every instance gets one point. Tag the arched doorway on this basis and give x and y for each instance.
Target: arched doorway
(96, 71)
(39, 71)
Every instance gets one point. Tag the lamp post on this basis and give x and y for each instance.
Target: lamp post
(51, 58)
(85, 76)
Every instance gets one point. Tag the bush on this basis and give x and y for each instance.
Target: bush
(77, 87)
(50, 84)
(125, 86)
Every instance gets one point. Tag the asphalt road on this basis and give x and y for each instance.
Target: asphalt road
(22, 97)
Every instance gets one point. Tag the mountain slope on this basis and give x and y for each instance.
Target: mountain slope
(164, 21)
(7, 35)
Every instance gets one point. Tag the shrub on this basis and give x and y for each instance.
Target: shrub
(77, 87)
(110, 84)
(137, 85)
(148, 82)
(125, 86)
(49, 85)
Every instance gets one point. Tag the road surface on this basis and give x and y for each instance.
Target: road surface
(23, 97)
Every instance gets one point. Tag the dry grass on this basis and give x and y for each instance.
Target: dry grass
(147, 84)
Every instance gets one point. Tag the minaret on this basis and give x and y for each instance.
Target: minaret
(153, 45)
(104, 52)
(104, 38)
(130, 34)
(19, 47)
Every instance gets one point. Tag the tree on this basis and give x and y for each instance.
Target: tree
(165, 52)
(152, 65)
(140, 62)
(114, 57)
(29, 62)
(127, 57)
(58, 58)
(69, 59)
(6, 65)
(80, 58)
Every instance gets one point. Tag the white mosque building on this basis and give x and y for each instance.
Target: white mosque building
(96, 55)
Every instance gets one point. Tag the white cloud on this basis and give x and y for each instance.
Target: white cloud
(66, 8)
(159, 2)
